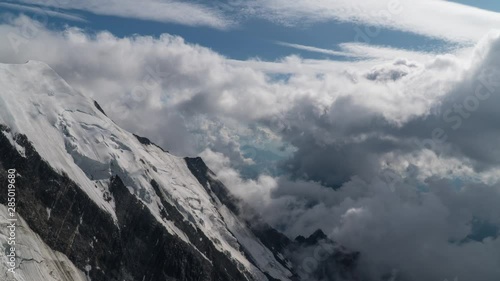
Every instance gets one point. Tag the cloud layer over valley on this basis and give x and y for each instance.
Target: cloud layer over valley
(394, 154)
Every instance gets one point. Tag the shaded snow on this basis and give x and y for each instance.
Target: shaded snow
(77, 139)
(260, 254)
(35, 259)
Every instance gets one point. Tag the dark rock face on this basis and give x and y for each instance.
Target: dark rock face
(203, 174)
(39, 187)
(99, 108)
(146, 141)
(222, 263)
(136, 247)
(314, 239)
(143, 140)
(151, 252)
(271, 238)
(319, 258)
(267, 235)
(314, 258)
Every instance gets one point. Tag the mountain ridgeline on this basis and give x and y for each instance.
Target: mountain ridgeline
(95, 202)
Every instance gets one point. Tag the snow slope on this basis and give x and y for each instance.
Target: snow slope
(80, 141)
(35, 259)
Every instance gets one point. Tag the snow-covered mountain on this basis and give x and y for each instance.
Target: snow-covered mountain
(96, 202)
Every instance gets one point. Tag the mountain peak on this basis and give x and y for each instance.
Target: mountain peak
(102, 185)
(312, 239)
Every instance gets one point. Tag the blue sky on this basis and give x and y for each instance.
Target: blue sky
(483, 4)
(325, 108)
(275, 31)
(255, 37)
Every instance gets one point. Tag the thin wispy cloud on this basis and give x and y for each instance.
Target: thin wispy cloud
(434, 18)
(384, 53)
(362, 51)
(317, 50)
(443, 19)
(170, 11)
(428, 117)
(42, 11)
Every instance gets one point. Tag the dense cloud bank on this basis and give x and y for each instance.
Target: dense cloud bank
(397, 158)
